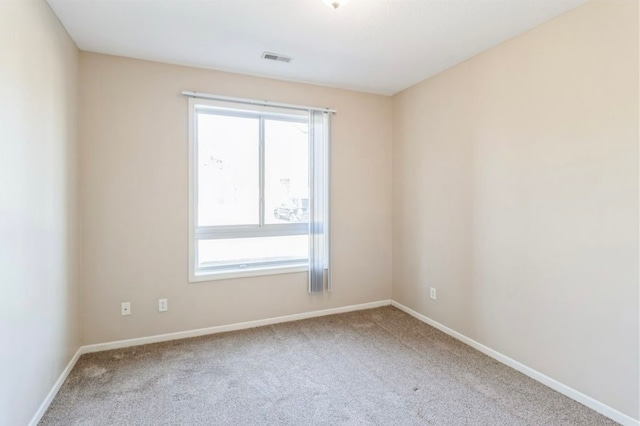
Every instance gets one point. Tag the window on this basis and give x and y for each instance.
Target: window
(249, 175)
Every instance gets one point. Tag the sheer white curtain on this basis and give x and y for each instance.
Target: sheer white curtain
(319, 197)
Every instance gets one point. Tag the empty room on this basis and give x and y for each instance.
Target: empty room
(319, 212)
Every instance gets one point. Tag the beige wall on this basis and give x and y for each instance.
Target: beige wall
(515, 182)
(134, 200)
(515, 179)
(38, 247)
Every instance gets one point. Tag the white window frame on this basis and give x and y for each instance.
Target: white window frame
(237, 231)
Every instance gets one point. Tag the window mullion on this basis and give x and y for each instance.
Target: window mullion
(227, 232)
(261, 160)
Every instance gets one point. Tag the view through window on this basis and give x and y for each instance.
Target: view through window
(251, 189)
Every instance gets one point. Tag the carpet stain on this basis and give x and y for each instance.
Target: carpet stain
(93, 371)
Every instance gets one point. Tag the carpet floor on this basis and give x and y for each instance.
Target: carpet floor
(373, 367)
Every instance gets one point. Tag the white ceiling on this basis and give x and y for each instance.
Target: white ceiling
(377, 46)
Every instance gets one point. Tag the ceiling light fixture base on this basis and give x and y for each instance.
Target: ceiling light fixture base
(335, 4)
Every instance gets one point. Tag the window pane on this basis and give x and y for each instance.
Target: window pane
(286, 172)
(228, 170)
(243, 252)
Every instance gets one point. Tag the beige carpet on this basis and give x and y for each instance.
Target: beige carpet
(374, 367)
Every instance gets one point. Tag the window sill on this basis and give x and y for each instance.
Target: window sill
(255, 272)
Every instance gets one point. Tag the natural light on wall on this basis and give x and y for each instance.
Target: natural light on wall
(259, 180)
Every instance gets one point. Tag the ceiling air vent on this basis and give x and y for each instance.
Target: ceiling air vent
(276, 57)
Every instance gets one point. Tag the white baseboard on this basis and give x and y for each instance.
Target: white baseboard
(230, 327)
(536, 375)
(54, 390)
(185, 334)
(595, 405)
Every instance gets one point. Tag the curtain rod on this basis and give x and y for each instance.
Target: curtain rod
(254, 102)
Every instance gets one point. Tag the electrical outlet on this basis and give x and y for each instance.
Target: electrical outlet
(163, 305)
(125, 308)
(432, 293)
